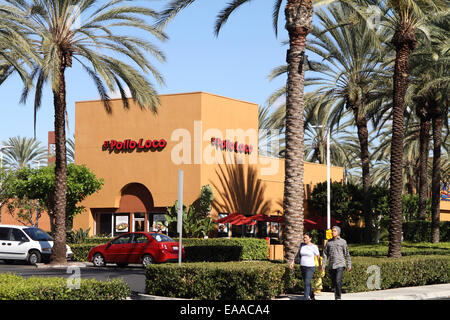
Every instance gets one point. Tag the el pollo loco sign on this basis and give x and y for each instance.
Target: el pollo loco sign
(130, 145)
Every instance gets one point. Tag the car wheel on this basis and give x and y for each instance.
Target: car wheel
(34, 257)
(98, 260)
(147, 259)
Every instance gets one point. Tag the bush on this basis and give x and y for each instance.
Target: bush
(408, 249)
(266, 280)
(395, 273)
(420, 231)
(221, 250)
(81, 251)
(14, 287)
(216, 281)
(211, 250)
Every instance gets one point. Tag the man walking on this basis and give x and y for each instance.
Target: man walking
(337, 251)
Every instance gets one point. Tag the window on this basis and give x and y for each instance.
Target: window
(37, 234)
(140, 238)
(139, 221)
(123, 239)
(161, 237)
(4, 234)
(17, 235)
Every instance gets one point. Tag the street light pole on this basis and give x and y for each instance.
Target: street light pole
(328, 176)
(37, 201)
(328, 182)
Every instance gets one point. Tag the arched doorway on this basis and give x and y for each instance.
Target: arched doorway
(136, 213)
(132, 215)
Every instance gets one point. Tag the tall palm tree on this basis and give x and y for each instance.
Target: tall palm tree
(430, 70)
(352, 55)
(15, 49)
(86, 31)
(298, 17)
(405, 18)
(24, 152)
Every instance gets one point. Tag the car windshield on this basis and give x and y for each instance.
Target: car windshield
(161, 237)
(37, 234)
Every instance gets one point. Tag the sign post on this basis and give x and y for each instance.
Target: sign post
(180, 214)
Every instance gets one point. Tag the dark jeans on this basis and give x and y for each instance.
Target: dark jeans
(307, 274)
(336, 278)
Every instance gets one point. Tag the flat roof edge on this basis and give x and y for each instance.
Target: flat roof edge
(176, 94)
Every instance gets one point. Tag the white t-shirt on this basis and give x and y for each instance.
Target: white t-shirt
(307, 253)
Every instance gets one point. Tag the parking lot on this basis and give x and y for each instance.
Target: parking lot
(134, 275)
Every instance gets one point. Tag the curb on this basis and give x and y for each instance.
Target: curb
(59, 266)
(142, 296)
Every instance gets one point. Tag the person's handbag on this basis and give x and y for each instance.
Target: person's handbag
(297, 256)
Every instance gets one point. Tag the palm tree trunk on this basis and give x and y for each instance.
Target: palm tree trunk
(298, 24)
(401, 40)
(59, 100)
(436, 179)
(424, 138)
(363, 137)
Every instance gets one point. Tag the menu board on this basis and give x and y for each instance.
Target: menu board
(159, 223)
(121, 224)
(223, 227)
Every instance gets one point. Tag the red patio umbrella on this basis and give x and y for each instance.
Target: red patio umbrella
(231, 217)
(309, 224)
(321, 222)
(244, 220)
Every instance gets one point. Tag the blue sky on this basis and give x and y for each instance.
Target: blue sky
(235, 64)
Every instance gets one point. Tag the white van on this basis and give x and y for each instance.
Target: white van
(26, 243)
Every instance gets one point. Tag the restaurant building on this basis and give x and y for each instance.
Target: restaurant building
(213, 139)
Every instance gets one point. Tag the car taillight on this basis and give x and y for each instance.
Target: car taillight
(163, 246)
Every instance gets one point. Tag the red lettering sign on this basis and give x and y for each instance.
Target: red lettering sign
(130, 145)
(231, 146)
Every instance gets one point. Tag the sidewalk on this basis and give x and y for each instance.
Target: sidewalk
(432, 292)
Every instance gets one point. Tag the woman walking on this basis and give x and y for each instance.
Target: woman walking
(306, 255)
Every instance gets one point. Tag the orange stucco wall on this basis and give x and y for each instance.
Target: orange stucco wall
(187, 122)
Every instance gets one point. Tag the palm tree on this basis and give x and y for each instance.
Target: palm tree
(70, 149)
(24, 152)
(298, 15)
(430, 70)
(60, 36)
(15, 49)
(405, 18)
(347, 80)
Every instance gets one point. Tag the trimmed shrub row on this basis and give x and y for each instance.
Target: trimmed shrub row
(408, 249)
(207, 250)
(216, 281)
(420, 231)
(265, 280)
(221, 250)
(14, 287)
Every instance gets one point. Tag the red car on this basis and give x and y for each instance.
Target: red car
(136, 247)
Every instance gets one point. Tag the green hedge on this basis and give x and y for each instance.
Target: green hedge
(210, 250)
(420, 231)
(14, 287)
(216, 281)
(266, 280)
(408, 249)
(222, 250)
